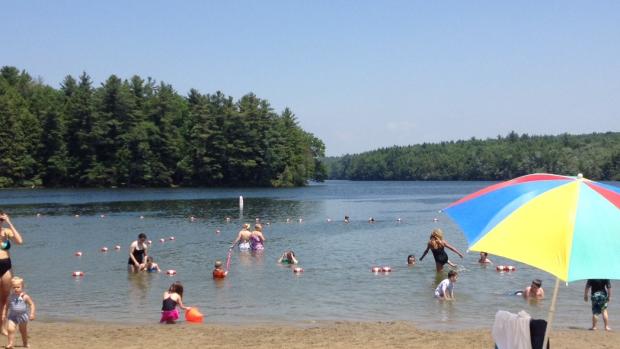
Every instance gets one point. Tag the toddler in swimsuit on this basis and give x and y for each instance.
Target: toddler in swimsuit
(172, 298)
(20, 311)
(150, 266)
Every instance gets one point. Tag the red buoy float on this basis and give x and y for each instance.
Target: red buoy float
(298, 270)
(505, 268)
(78, 273)
(386, 269)
(375, 269)
(78, 254)
(162, 240)
(117, 247)
(171, 272)
(104, 249)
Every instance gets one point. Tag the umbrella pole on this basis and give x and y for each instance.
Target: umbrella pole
(551, 312)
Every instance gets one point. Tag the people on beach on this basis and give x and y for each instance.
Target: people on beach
(445, 289)
(288, 257)
(21, 309)
(173, 298)
(7, 235)
(257, 238)
(484, 258)
(218, 270)
(600, 295)
(243, 238)
(150, 266)
(534, 291)
(411, 259)
(437, 245)
(137, 253)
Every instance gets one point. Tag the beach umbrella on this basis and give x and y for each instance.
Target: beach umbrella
(566, 226)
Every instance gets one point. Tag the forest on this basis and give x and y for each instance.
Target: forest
(141, 133)
(595, 155)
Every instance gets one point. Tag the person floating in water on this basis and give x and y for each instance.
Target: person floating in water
(288, 257)
(437, 246)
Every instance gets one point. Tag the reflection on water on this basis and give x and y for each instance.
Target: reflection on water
(336, 257)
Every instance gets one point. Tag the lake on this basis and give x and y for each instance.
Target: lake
(337, 283)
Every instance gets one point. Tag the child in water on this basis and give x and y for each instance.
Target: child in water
(150, 266)
(445, 289)
(172, 298)
(288, 257)
(218, 271)
(411, 259)
(483, 258)
(18, 312)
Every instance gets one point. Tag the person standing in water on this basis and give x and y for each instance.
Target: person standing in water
(437, 246)
(257, 238)
(243, 238)
(137, 253)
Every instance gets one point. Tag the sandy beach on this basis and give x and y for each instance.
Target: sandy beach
(68, 335)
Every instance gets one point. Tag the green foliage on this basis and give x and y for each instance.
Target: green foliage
(595, 155)
(139, 133)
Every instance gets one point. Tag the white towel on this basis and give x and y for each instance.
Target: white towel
(512, 331)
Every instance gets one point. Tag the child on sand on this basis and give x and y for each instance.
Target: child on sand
(218, 271)
(18, 312)
(172, 298)
(445, 289)
(150, 266)
(288, 257)
(483, 258)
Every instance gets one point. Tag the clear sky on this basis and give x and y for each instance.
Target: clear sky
(358, 74)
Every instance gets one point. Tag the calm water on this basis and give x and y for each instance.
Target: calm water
(337, 283)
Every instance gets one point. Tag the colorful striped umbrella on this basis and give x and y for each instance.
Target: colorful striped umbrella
(567, 226)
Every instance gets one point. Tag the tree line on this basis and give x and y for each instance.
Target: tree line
(595, 155)
(140, 133)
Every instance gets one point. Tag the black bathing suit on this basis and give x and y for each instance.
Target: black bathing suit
(168, 304)
(5, 264)
(138, 255)
(440, 255)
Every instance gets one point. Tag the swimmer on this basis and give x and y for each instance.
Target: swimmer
(371, 220)
(257, 239)
(288, 257)
(411, 259)
(172, 298)
(243, 238)
(483, 258)
(534, 291)
(346, 219)
(445, 289)
(218, 271)
(150, 266)
(437, 246)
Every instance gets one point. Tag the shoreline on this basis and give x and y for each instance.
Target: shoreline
(319, 334)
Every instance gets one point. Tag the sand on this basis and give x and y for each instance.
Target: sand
(68, 335)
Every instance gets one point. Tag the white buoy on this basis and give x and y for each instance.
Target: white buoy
(241, 202)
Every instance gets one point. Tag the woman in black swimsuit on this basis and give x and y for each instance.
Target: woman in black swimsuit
(137, 253)
(437, 246)
(6, 236)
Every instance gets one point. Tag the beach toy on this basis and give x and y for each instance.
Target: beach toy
(104, 249)
(162, 240)
(386, 269)
(78, 254)
(193, 315)
(298, 270)
(171, 272)
(375, 269)
(171, 238)
(78, 273)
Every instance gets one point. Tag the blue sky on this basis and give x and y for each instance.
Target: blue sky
(358, 74)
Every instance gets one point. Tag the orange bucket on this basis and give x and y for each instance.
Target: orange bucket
(193, 315)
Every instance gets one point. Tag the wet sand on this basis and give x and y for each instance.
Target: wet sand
(99, 335)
